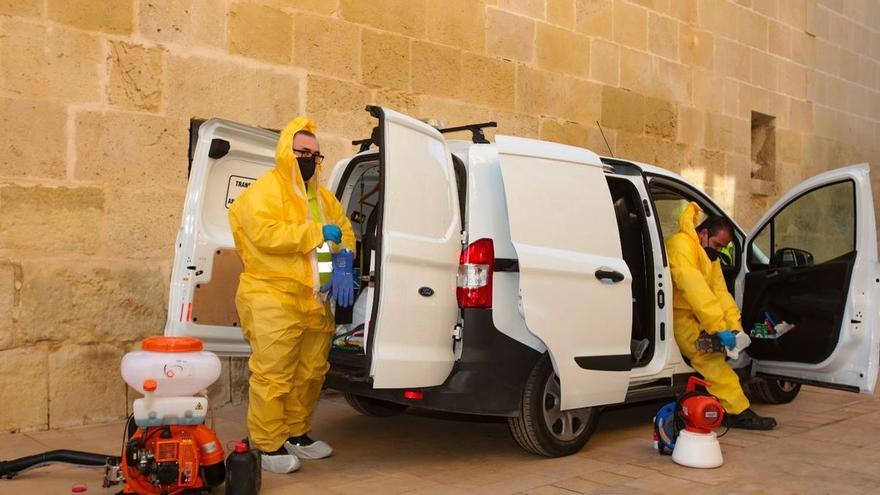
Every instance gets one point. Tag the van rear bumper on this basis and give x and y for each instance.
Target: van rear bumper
(488, 379)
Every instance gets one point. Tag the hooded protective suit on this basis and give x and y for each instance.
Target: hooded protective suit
(287, 324)
(701, 301)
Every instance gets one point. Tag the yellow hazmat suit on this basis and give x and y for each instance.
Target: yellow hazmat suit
(701, 301)
(288, 325)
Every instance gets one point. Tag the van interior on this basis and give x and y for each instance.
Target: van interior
(360, 195)
(635, 243)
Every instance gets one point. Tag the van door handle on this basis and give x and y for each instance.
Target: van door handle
(609, 274)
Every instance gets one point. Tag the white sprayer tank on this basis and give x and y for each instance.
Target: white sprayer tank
(177, 365)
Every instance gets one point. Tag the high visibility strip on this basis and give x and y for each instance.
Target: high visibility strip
(325, 265)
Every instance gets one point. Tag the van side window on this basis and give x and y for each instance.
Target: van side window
(671, 200)
(669, 205)
(816, 227)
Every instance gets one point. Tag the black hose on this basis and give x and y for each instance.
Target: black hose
(9, 469)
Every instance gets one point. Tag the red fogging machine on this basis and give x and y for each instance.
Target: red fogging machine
(684, 428)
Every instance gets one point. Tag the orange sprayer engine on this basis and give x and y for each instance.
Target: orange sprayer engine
(167, 460)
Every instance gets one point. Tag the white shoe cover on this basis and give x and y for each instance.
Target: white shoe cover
(280, 464)
(317, 450)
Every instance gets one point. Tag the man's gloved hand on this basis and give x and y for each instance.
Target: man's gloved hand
(332, 233)
(341, 284)
(727, 338)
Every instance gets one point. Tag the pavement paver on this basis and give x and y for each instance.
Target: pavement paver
(827, 442)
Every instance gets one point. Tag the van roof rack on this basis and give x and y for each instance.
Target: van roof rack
(477, 135)
(364, 144)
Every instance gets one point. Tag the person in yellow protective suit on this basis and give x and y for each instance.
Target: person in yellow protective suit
(280, 224)
(700, 302)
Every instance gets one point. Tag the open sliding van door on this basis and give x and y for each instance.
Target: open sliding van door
(812, 262)
(575, 285)
(415, 310)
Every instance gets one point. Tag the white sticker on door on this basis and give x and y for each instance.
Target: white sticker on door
(237, 184)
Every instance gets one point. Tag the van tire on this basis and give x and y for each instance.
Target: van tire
(376, 408)
(773, 391)
(540, 403)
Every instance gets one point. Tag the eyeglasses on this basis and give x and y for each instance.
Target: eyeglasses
(305, 153)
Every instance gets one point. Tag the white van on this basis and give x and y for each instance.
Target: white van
(511, 279)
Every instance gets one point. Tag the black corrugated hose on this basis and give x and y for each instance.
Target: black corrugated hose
(9, 469)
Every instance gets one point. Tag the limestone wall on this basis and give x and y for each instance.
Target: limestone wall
(96, 97)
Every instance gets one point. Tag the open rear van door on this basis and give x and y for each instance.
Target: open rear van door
(410, 340)
(228, 157)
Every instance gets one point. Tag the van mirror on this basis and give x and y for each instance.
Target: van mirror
(791, 257)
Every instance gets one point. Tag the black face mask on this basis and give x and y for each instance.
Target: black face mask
(712, 253)
(306, 167)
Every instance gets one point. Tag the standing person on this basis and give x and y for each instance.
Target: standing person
(701, 301)
(289, 231)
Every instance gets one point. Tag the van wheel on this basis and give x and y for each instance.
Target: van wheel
(374, 407)
(542, 428)
(773, 391)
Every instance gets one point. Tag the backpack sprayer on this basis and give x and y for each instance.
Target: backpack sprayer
(169, 450)
(683, 428)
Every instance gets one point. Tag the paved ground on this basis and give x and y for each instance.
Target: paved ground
(827, 442)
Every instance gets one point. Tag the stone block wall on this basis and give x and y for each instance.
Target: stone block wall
(96, 97)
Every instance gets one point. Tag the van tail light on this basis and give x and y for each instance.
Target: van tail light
(475, 269)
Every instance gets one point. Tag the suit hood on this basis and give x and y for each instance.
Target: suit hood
(285, 162)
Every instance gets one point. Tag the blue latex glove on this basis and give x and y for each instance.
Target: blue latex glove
(332, 233)
(341, 284)
(727, 338)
